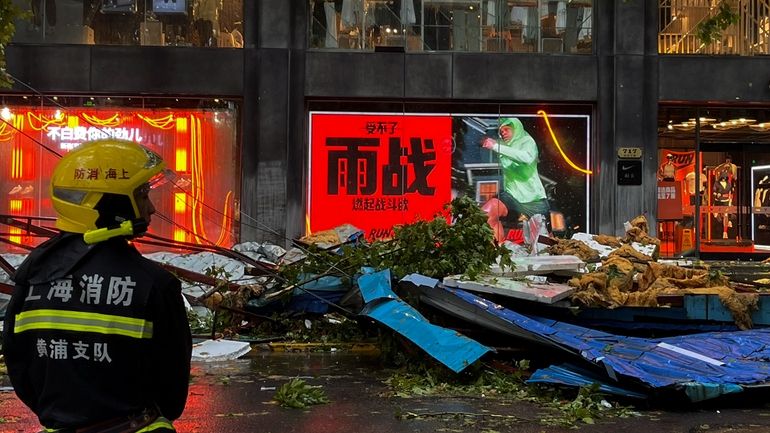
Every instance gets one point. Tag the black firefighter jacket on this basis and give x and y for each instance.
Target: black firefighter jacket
(96, 332)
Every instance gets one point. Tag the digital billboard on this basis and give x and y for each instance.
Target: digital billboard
(199, 145)
(378, 170)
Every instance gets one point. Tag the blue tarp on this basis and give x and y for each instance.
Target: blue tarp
(574, 376)
(448, 347)
(703, 366)
(313, 296)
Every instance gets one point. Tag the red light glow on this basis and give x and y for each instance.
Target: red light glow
(377, 171)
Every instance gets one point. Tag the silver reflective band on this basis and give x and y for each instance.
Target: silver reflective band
(79, 321)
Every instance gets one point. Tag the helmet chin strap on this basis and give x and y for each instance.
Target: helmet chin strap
(127, 228)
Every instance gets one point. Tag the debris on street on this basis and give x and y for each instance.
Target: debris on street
(698, 366)
(448, 347)
(461, 296)
(219, 350)
(297, 394)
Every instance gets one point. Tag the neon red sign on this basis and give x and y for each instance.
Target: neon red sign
(377, 171)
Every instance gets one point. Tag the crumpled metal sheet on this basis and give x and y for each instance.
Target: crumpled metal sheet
(451, 348)
(702, 366)
(572, 375)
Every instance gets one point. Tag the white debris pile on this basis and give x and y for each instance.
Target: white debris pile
(15, 260)
(205, 263)
(219, 350)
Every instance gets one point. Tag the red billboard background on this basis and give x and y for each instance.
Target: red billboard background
(377, 171)
(199, 145)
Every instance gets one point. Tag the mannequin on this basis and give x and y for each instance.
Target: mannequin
(760, 195)
(667, 170)
(723, 190)
(729, 167)
(206, 16)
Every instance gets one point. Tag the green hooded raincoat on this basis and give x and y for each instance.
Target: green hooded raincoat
(518, 158)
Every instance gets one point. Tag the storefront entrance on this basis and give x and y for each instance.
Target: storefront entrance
(714, 183)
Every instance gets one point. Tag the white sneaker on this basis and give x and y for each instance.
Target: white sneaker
(15, 190)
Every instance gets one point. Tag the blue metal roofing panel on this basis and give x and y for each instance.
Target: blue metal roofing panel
(573, 376)
(703, 365)
(376, 285)
(451, 348)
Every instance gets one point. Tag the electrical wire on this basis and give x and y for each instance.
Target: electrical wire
(259, 226)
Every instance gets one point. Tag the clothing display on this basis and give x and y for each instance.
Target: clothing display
(330, 41)
(723, 192)
(761, 196)
(667, 171)
(761, 201)
(407, 12)
(352, 13)
(724, 181)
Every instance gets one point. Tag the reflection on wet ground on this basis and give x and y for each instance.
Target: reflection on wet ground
(236, 396)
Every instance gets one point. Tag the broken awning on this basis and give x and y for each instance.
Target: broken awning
(451, 348)
(702, 366)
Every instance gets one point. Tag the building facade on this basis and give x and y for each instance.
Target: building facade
(589, 81)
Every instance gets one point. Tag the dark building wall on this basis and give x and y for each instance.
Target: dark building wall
(451, 76)
(698, 79)
(127, 70)
(626, 109)
(273, 151)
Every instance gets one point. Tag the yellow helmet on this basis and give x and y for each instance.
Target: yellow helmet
(101, 169)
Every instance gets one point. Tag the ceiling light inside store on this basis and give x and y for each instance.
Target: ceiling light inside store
(684, 126)
(733, 124)
(5, 113)
(703, 120)
(764, 126)
(690, 123)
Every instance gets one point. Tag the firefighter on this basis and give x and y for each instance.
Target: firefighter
(96, 337)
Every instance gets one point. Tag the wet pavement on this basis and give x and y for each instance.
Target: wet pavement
(237, 396)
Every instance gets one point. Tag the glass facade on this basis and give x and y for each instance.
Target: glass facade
(195, 23)
(197, 140)
(695, 27)
(713, 178)
(459, 25)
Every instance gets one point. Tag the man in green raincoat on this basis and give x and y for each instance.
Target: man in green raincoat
(523, 191)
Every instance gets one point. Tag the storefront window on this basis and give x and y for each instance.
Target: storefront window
(459, 25)
(198, 23)
(527, 169)
(198, 144)
(691, 28)
(713, 164)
